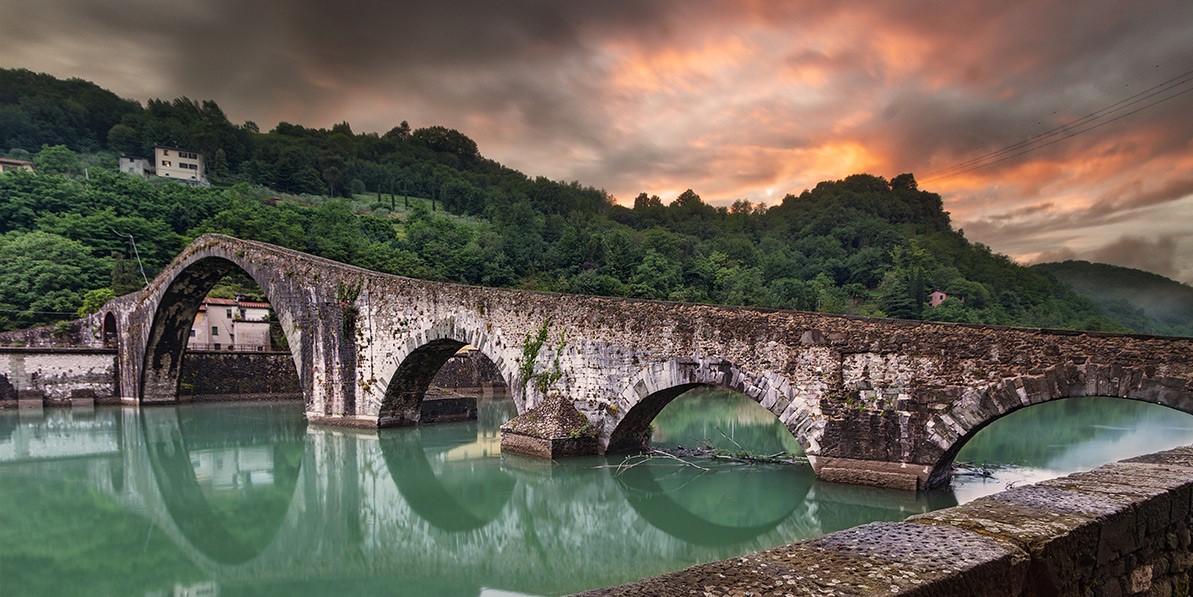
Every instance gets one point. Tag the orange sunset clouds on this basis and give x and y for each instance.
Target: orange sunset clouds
(735, 100)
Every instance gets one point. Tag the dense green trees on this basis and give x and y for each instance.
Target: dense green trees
(43, 277)
(860, 245)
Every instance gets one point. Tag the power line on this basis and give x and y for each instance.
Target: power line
(1094, 119)
(133, 242)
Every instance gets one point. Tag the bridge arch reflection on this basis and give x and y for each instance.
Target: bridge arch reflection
(661, 503)
(486, 490)
(249, 478)
(348, 511)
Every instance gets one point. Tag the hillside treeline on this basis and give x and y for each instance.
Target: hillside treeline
(425, 203)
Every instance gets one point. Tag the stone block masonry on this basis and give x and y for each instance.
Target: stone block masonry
(238, 375)
(58, 374)
(1125, 528)
(553, 429)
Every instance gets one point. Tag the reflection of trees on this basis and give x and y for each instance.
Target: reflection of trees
(723, 506)
(1070, 423)
(53, 543)
(840, 506)
(704, 413)
(230, 527)
(461, 497)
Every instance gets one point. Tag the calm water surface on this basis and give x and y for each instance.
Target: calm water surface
(238, 499)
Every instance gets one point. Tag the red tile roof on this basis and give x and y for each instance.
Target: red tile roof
(234, 303)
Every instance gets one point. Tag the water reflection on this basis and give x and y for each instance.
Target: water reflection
(247, 499)
(459, 494)
(724, 419)
(724, 505)
(226, 473)
(1067, 436)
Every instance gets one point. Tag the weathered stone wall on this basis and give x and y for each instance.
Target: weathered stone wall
(1121, 529)
(882, 402)
(56, 373)
(209, 375)
(468, 371)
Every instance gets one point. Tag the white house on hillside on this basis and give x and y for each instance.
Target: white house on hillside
(174, 163)
(179, 164)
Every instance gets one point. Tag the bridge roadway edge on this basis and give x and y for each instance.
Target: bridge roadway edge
(1125, 528)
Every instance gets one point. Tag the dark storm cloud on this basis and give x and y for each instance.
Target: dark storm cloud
(1157, 255)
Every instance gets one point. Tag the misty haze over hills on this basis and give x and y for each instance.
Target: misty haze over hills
(1143, 301)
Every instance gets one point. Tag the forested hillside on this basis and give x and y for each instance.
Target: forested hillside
(1143, 301)
(425, 203)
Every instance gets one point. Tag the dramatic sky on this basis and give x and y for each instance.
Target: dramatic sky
(1052, 129)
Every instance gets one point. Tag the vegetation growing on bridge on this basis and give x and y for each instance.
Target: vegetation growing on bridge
(863, 245)
(531, 346)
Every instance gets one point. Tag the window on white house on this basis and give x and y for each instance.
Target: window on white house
(215, 331)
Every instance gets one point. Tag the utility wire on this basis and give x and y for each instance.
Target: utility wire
(133, 242)
(1003, 158)
(1072, 129)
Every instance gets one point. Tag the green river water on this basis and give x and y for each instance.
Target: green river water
(246, 499)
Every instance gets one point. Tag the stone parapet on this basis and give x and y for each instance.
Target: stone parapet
(1125, 528)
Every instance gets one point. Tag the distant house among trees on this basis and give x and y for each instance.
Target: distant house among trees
(230, 324)
(174, 163)
(10, 165)
(936, 298)
(136, 166)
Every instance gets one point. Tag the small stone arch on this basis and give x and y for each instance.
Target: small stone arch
(110, 334)
(949, 431)
(425, 352)
(626, 424)
(178, 302)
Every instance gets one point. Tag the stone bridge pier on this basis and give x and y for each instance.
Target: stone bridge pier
(872, 401)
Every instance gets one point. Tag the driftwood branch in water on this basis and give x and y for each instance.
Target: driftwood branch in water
(638, 459)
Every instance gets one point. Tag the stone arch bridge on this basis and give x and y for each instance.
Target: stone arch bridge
(872, 401)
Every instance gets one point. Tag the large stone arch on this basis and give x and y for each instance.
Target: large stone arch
(178, 303)
(949, 431)
(626, 425)
(425, 352)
